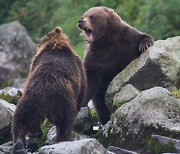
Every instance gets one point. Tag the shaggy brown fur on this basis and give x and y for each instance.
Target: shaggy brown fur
(111, 46)
(54, 90)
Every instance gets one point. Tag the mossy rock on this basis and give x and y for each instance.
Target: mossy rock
(121, 138)
(176, 93)
(85, 120)
(9, 98)
(117, 105)
(154, 147)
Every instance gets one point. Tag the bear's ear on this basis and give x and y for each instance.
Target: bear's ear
(58, 30)
(111, 10)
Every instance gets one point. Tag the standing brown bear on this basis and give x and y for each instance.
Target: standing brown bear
(111, 45)
(54, 90)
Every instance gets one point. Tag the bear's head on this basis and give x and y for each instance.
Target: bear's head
(98, 22)
(55, 39)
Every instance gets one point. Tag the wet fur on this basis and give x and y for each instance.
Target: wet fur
(54, 90)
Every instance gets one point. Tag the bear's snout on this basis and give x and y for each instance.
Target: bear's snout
(80, 23)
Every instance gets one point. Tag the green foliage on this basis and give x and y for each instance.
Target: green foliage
(154, 147)
(93, 113)
(11, 99)
(176, 93)
(35, 143)
(45, 127)
(160, 18)
(117, 105)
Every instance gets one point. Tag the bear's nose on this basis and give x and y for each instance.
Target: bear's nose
(80, 22)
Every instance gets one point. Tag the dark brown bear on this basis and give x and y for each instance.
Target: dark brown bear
(111, 44)
(54, 90)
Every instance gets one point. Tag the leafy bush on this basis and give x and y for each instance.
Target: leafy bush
(160, 18)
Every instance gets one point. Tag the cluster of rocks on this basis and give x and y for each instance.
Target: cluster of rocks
(145, 113)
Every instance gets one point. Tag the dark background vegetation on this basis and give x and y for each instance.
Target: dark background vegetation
(160, 18)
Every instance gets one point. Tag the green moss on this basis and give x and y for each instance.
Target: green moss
(11, 99)
(117, 105)
(93, 114)
(176, 93)
(149, 130)
(36, 143)
(124, 139)
(154, 147)
(45, 127)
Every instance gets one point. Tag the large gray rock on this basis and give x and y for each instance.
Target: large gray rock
(126, 94)
(153, 111)
(117, 150)
(165, 140)
(161, 144)
(51, 136)
(16, 50)
(6, 113)
(158, 66)
(85, 146)
(6, 148)
(11, 91)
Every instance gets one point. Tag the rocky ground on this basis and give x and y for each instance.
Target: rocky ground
(145, 112)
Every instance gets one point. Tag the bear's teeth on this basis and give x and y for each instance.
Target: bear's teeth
(89, 38)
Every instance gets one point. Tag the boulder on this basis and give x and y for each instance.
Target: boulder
(117, 150)
(10, 94)
(16, 51)
(6, 113)
(165, 140)
(84, 146)
(126, 94)
(153, 111)
(6, 148)
(161, 144)
(51, 136)
(85, 120)
(158, 66)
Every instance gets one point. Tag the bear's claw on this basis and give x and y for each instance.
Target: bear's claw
(19, 147)
(145, 44)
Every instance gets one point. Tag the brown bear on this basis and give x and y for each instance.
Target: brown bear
(54, 90)
(111, 44)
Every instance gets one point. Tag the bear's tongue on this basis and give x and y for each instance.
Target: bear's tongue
(88, 37)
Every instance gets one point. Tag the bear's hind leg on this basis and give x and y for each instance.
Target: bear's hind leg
(92, 86)
(19, 130)
(100, 104)
(18, 147)
(63, 133)
(64, 124)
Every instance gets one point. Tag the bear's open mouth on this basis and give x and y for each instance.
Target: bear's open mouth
(88, 35)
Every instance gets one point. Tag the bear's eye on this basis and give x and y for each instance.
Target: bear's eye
(91, 17)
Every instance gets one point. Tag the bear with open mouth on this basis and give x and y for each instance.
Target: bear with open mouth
(111, 44)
